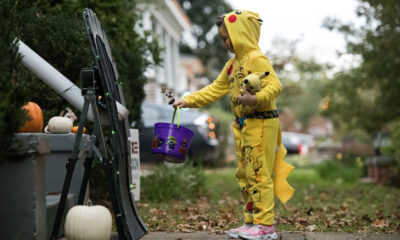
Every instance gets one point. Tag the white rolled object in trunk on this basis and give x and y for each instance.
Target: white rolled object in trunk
(59, 83)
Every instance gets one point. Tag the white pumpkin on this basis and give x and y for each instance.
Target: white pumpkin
(59, 125)
(88, 223)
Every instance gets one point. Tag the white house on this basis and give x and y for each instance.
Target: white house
(166, 20)
(192, 72)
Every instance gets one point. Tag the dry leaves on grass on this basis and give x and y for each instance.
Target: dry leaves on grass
(192, 216)
(201, 215)
(330, 217)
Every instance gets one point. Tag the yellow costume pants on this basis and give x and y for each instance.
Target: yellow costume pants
(256, 149)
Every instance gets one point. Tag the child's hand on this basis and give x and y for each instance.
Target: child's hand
(247, 99)
(180, 103)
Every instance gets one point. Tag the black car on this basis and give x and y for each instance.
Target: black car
(204, 141)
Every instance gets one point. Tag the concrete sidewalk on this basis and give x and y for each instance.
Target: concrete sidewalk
(281, 236)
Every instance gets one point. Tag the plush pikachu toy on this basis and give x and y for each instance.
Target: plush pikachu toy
(253, 84)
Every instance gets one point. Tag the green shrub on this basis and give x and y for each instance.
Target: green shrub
(56, 32)
(58, 38)
(13, 95)
(173, 182)
(61, 40)
(130, 49)
(337, 171)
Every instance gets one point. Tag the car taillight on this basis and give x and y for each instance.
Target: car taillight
(302, 149)
(299, 148)
(211, 135)
(211, 127)
(206, 126)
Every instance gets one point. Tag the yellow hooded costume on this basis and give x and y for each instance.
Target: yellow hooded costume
(258, 142)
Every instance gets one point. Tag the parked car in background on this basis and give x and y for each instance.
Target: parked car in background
(297, 143)
(204, 141)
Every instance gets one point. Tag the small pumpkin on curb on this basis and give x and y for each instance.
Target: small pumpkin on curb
(88, 223)
(61, 125)
(75, 129)
(35, 124)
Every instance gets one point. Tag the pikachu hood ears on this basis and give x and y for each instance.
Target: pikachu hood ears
(244, 30)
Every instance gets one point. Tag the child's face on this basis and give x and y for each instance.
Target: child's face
(223, 33)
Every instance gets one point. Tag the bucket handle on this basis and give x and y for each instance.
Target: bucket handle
(173, 117)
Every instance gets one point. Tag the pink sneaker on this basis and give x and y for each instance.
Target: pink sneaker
(259, 232)
(234, 233)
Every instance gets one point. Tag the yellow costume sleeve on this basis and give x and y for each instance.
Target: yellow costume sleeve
(211, 92)
(272, 84)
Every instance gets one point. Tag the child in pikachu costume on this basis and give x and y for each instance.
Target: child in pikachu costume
(259, 148)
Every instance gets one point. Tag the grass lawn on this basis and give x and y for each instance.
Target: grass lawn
(318, 205)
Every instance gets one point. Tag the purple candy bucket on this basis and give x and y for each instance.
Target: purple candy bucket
(171, 142)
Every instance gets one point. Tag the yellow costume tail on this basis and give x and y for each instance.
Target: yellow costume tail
(282, 169)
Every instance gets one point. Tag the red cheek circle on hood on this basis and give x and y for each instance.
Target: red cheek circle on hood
(232, 18)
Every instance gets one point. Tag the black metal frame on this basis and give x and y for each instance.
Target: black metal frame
(100, 87)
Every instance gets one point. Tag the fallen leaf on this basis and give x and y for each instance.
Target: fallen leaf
(344, 207)
(323, 196)
(204, 227)
(155, 211)
(325, 208)
(311, 228)
(341, 224)
(298, 226)
(301, 220)
(379, 223)
(308, 198)
(329, 222)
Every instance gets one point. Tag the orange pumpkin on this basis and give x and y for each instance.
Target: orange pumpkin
(75, 129)
(35, 124)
